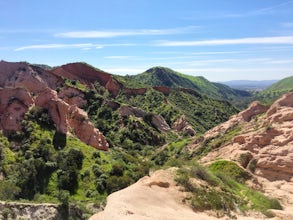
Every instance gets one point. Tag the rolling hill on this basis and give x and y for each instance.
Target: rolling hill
(275, 90)
(162, 76)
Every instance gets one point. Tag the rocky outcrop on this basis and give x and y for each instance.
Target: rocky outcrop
(27, 211)
(254, 109)
(153, 197)
(67, 117)
(128, 110)
(72, 96)
(84, 129)
(23, 75)
(263, 145)
(83, 73)
(156, 120)
(15, 102)
(159, 122)
(26, 86)
(163, 89)
(182, 125)
(133, 92)
(113, 86)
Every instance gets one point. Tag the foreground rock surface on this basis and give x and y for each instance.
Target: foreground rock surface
(156, 197)
(152, 197)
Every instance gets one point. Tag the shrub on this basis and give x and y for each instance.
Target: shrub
(8, 190)
(230, 169)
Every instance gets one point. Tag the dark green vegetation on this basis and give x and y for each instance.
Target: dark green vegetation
(41, 165)
(221, 187)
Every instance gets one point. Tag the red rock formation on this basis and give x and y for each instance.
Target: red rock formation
(28, 86)
(113, 86)
(85, 130)
(24, 75)
(72, 96)
(83, 72)
(163, 89)
(15, 102)
(133, 92)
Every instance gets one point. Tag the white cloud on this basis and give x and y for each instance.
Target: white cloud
(86, 46)
(125, 70)
(54, 46)
(280, 62)
(252, 40)
(122, 33)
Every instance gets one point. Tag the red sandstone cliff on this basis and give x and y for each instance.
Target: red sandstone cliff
(25, 86)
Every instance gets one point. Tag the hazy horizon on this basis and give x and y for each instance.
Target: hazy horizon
(221, 41)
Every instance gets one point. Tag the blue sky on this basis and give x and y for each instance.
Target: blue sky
(220, 40)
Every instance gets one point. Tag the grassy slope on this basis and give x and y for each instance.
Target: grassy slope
(285, 84)
(275, 91)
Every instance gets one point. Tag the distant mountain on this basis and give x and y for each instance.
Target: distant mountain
(162, 76)
(249, 85)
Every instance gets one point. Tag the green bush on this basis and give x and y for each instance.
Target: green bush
(230, 169)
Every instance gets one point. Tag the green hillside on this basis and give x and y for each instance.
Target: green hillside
(285, 84)
(276, 90)
(161, 76)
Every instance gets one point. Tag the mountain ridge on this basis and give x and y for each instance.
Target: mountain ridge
(162, 76)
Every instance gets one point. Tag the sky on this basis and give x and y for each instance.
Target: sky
(219, 39)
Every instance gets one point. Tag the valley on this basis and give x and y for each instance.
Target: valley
(73, 136)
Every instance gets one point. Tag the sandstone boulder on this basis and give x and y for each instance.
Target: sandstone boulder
(182, 125)
(254, 109)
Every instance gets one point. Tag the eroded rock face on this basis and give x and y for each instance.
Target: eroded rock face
(83, 72)
(128, 110)
(268, 140)
(254, 109)
(28, 86)
(157, 120)
(85, 130)
(28, 211)
(182, 125)
(14, 104)
(72, 96)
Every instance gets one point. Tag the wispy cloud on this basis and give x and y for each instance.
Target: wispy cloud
(122, 33)
(218, 42)
(53, 46)
(280, 62)
(86, 46)
(272, 8)
(223, 15)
